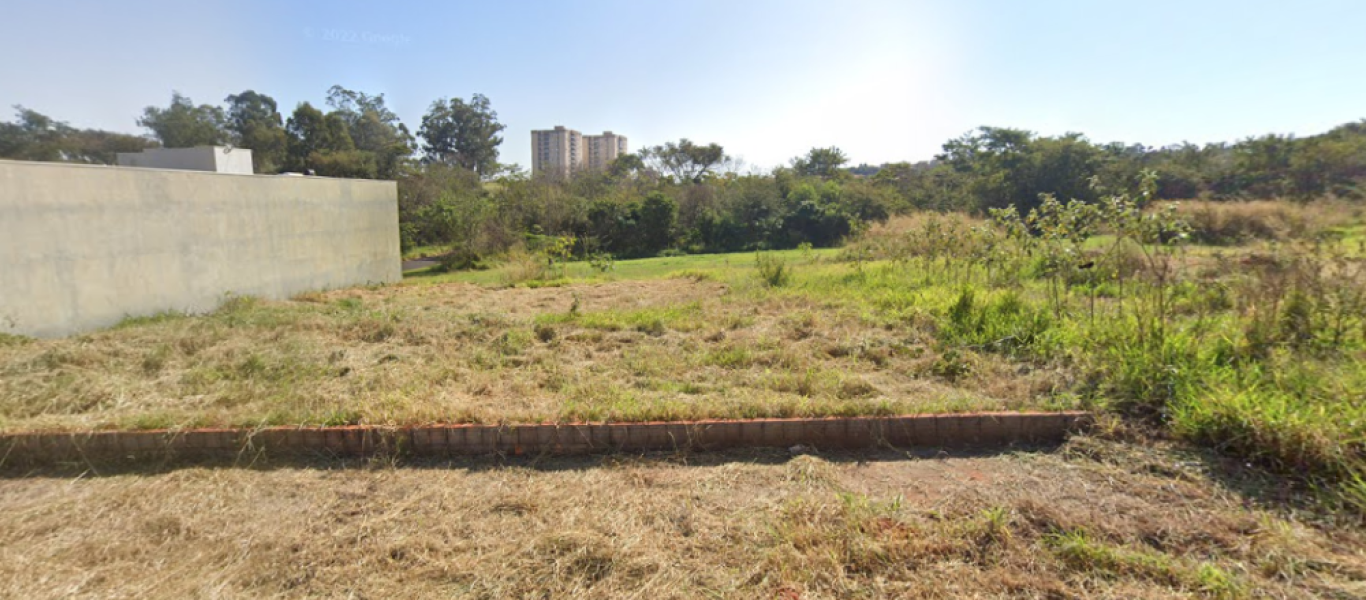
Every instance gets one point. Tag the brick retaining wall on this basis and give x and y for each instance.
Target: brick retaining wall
(946, 430)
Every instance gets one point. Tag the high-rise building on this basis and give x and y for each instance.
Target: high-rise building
(603, 149)
(557, 151)
(560, 151)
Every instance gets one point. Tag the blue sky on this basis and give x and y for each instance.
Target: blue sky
(883, 80)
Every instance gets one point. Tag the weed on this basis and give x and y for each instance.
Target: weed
(9, 339)
(602, 262)
(772, 270)
(545, 332)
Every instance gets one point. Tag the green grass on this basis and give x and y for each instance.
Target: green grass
(1086, 554)
(713, 265)
(425, 251)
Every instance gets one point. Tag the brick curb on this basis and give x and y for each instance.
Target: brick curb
(941, 430)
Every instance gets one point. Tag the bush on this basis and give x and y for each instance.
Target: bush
(773, 271)
(1228, 223)
(462, 258)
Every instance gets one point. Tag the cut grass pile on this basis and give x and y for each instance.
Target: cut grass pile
(1095, 519)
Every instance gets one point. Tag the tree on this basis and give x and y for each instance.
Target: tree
(1262, 165)
(1003, 167)
(374, 129)
(684, 160)
(35, 136)
(184, 125)
(97, 146)
(321, 143)
(821, 162)
(657, 215)
(254, 122)
(625, 165)
(456, 132)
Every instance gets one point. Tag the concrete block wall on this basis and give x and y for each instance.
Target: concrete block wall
(84, 246)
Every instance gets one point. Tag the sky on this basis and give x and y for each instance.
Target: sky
(885, 81)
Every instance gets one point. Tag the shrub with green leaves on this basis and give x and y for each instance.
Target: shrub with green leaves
(773, 270)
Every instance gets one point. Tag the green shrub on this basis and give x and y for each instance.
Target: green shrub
(773, 270)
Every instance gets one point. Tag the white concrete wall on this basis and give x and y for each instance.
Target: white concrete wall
(218, 159)
(233, 160)
(84, 246)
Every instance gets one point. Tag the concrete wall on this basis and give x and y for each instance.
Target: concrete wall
(218, 159)
(82, 246)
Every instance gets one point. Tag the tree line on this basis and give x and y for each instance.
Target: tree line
(994, 167)
(357, 136)
(684, 196)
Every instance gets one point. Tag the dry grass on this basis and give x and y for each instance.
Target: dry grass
(626, 350)
(1228, 223)
(1096, 519)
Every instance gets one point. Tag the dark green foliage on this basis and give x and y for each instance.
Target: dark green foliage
(462, 133)
(35, 136)
(684, 161)
(375, 131)
(657, 215)
(184, 125)
(321, 143)
(825, 163)
(254, 122)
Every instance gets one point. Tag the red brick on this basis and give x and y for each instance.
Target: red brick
(495, 438)
(771, 433)
(334, 440)
(900, 431)
(865, 432)
(679, 436)
(723, 434)
(271, 440)
(993, 429)
(951, 430)
(972, 429)
(453, 439)
(422, 439)
(1077, 422)
(1012, 425)
(536, 439)
(834, 434)
(794, 431)
(147, 441)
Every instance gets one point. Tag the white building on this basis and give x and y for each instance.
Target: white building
(217, 159)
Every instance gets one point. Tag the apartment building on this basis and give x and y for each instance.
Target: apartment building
(562, 151)
(601, 150)
(557, 151)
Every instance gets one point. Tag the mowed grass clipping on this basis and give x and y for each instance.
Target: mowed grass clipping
(657, 339)
(1093, 520)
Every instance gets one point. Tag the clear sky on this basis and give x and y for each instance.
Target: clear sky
(883, 80)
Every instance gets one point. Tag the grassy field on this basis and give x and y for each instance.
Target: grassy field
(1229, 376)
(667, 338)
(1093, 519)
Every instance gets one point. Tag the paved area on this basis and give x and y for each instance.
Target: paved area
(421, 263)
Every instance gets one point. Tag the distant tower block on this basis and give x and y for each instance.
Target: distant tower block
(560, 152)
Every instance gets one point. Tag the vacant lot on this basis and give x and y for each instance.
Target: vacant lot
(706, 341)
(1093, 519)
(1230, 380)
